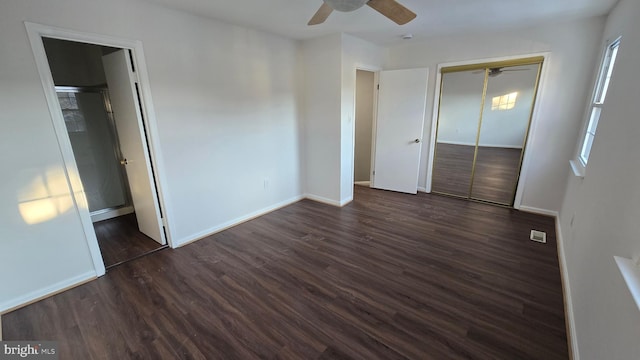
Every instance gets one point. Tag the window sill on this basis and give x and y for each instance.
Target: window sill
(631, 273)
(578, 169)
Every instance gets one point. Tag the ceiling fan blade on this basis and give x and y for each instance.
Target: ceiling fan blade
(393, 10)
(321, 15)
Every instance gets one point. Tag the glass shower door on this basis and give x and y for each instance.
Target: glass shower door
(95, 147)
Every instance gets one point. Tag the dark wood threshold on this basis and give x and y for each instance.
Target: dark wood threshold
(136, 257)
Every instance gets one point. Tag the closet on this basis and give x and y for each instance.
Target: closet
(103, 116)
(484, 118)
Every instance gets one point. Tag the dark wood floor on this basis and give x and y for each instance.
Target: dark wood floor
(390, 276)
(495, 177)
(120, 240)
(452, 169)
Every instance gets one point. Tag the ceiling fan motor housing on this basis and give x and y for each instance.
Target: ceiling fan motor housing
(345, 5)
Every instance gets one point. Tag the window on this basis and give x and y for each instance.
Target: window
(73, 116)
(599, 96)
(504, 102)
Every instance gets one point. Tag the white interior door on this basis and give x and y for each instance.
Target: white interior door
(128, 119)
(401, 108)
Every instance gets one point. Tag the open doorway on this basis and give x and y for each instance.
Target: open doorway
(390, 109)
(101, 110)
(365, 110)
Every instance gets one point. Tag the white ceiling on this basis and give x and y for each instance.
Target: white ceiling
(435, 17)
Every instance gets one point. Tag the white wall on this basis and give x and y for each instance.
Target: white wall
(573, 47)
(330, 65)
(226, 113)
(599, 217)
(365, 93)
(321, 61)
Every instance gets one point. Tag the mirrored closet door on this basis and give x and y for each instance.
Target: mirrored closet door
(484, 117)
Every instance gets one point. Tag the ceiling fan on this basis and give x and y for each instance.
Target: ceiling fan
(389, 8)
(493, 72)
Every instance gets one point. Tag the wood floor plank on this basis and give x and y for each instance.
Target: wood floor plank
(494, 179)
(120, 240)
(390, 276)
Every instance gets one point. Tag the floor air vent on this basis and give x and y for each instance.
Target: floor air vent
(538, 236)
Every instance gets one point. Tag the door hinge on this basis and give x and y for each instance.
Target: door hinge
(374, 172)
(378, 86)
(164, 222)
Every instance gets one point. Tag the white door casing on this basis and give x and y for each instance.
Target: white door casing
(130, 128)
(402, 100)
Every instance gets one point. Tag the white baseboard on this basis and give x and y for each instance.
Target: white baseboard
(422, 189)
(323, 200)
(566, 288)
(481, 145)
(346, 201)
(538, 211)
(111, 214)
(251, 216)
(363, 183)
(40, 294)
(236, 221)
(46, 292)
(457, 143)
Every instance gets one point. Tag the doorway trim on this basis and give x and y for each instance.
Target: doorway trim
(526, 161)
(36, 32)
(376, 73)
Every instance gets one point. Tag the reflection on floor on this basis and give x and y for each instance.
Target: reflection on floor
(495, 176)
(452, 169)
(120, 240)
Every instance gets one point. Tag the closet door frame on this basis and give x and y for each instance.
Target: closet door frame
(530, 138)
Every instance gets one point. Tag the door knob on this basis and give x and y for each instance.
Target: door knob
(417, 141)
(124, 162)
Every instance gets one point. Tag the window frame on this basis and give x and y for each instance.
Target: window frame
(504, 102)
(596, 104)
